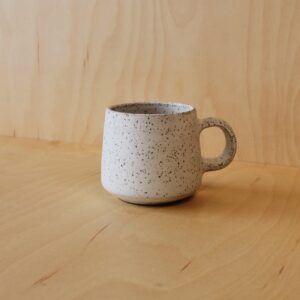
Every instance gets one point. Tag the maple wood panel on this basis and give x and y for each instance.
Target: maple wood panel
(62, 62)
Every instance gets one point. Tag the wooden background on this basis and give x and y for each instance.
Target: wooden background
(63, 61)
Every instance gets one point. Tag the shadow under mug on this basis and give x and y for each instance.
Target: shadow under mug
(151, 151)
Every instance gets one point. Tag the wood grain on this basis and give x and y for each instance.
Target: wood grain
(63, 237)
(63, 61)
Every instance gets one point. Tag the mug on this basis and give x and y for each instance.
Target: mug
(151, 151)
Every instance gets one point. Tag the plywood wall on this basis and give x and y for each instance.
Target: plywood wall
(63, 61)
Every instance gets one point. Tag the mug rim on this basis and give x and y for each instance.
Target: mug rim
(190, 108)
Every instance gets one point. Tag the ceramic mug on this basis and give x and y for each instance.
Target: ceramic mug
(151, 151)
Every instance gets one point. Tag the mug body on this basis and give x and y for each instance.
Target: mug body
(151, 152)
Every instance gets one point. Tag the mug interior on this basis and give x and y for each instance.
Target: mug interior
(153, 108)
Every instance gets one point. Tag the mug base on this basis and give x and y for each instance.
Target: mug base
(152, 201)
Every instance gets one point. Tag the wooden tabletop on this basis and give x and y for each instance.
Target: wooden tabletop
(63, 237)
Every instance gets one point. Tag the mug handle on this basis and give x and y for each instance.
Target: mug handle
(223, 160)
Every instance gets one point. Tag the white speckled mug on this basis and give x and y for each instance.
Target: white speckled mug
(151, 152)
